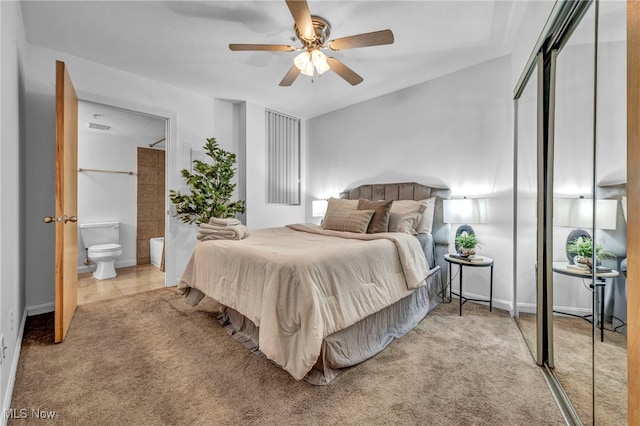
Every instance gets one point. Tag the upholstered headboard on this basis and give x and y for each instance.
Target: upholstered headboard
(411, 191)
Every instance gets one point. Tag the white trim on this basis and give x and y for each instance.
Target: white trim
(558, 310)
(505, 305)
(39, 309)
(527, 308)
(171, 155)
(530, 308)
(8, 396)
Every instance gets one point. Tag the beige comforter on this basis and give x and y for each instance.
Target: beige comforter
(301, 283)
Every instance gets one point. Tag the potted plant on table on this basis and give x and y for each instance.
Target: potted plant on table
(466, 243)
(582, 248)
(211, 188)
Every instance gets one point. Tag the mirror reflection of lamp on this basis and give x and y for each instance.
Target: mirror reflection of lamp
(578, 213)
(465, 211)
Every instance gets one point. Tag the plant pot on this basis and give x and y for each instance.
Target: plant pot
(465, 252)
(586, 261)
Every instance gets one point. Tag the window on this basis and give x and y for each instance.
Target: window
(283, 158)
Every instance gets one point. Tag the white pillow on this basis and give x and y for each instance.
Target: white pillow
(406, 216)
(426, 223)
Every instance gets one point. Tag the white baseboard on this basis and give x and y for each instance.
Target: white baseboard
(6, 404)
(530, 308)
(39, 309)
(527, 308)
(505, 305)
(559, 310)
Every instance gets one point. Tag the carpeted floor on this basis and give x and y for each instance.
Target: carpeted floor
(150, 359)
(573, 368)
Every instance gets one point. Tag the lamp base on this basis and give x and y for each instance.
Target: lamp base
(463, 228)
(574, 234)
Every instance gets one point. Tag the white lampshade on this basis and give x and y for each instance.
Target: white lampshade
(319, 60)
(319, 208)
(309, 61)
(578, 213)
(303, 63)
(465, 210)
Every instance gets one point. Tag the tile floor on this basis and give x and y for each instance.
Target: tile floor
(130, 280)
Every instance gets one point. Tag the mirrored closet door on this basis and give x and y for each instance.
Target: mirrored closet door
(570, 225)
(526, 202)
(573, 177)
(610, 352)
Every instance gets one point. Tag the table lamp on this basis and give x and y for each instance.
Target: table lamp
(465, 211)
(577, 213)
(318, 208)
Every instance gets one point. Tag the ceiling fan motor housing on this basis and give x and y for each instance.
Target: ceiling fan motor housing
(322, 31)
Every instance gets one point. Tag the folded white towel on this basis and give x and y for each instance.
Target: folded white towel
(229, 221)
(214, 232)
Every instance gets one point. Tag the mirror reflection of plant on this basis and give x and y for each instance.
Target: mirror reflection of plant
(211, 188)
(583, 247)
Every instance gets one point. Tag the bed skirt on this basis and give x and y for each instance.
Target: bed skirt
(356, 343)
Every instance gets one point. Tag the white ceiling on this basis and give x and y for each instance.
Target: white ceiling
(126, 124)
(185, 43)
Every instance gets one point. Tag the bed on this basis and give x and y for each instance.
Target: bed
(316, 300)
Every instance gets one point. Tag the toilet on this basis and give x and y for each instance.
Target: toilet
(102, 242)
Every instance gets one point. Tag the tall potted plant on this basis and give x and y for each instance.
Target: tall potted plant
(211, 188)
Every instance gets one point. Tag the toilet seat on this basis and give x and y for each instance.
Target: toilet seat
(104, 248)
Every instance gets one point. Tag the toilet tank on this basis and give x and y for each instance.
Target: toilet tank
(100, 233)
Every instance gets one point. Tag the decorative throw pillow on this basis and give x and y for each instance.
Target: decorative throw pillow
(381, 212)
(405, 217)
(349, 221)
(335, 205)
(340, 205)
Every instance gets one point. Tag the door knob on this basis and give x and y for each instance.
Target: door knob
(48, 219)
(70, 219)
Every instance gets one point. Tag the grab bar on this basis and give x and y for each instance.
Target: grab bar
(104, 171)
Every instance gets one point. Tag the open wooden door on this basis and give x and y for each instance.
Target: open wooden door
(66, 266)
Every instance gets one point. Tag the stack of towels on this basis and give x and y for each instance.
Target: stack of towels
(222, 229)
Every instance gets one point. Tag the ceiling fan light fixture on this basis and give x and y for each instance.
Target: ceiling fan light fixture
(310, 62)
(313, 32)
(319, 60)
(303, 63)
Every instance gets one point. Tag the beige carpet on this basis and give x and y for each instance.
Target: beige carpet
(150, 359)
(573, 367)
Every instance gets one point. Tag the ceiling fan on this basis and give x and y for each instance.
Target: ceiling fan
(313, 31)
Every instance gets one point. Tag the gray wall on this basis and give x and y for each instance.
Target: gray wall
(12, 190)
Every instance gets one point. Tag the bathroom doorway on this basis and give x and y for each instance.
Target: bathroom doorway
(121, 178)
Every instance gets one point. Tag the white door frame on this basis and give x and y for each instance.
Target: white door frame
(170, 277)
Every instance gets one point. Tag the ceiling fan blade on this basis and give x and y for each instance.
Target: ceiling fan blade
(300, 11)
(262, 47)
(375, 38)
(344, 71)
(292, 74)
